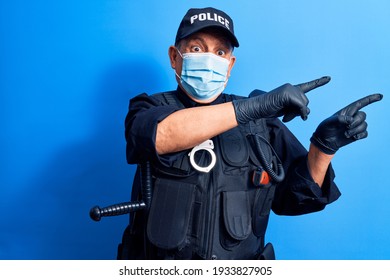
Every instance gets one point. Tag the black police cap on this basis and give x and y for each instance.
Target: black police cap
(198, 19)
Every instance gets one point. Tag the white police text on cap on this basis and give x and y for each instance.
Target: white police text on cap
(208, 16)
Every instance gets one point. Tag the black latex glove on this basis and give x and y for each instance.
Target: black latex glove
(344, 127)
(287, 100)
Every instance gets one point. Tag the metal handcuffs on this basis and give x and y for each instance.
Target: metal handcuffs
(207, 145)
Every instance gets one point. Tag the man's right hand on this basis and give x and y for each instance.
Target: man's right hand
(287, 100)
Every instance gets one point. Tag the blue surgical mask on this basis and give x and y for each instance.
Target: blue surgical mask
(203, 75)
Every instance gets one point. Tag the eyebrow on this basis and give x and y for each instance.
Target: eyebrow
(197, 38)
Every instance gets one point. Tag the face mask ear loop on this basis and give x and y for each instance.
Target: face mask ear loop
(174, 70)
(177, 75)
(227, 78)
(179, 52)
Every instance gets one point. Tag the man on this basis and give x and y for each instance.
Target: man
(219, 162)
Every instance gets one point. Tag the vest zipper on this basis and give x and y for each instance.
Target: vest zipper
(211, 205)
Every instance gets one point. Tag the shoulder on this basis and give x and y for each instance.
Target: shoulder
(165, 97)
(156, 99)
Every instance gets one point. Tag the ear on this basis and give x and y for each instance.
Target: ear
(232, 61)
(172, 52)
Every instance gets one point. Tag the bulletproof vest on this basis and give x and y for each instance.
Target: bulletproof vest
(221, 214)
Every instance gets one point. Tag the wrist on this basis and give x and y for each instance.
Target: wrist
(241, 109)
(318, 163)
(320, 145)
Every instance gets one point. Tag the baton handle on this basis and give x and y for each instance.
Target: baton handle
(96, 213)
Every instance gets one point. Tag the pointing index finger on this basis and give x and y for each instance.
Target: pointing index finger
(306, 87)
(352, 108)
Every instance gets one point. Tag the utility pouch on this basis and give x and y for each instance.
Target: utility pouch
(170, 213)
(261, 209)
(237, 214)
(234, 149)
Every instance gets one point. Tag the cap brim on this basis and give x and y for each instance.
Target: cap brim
(232, 37)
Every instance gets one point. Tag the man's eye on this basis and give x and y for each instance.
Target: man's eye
(196, 49)
(221, 53)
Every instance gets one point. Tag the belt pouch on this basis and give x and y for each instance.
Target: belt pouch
(170, 213)
(237, 216)
(261, 209)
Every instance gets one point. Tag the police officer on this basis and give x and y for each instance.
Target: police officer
(221, 162)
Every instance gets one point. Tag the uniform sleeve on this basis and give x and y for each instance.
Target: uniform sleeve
(298, 193)
(145, 112)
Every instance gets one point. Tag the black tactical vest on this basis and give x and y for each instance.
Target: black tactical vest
(221, 214)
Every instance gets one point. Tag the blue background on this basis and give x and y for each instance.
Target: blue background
(68, 69)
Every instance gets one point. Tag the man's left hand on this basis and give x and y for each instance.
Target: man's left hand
(343, 127)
